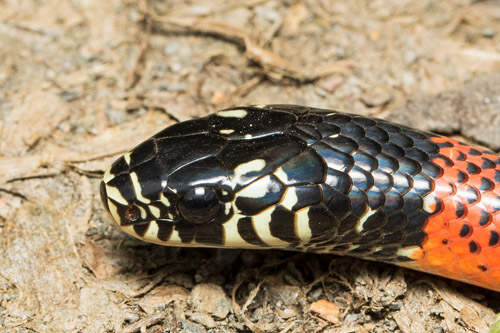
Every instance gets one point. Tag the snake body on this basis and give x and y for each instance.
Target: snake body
(307, 179)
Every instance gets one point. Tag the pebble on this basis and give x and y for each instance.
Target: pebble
(257, 315)
(376, 97)
(171, 48)
(488, 33)
(332, 83)
(176, 67)
(203, 319)
(395, 306)
(351, 318)
(316, 294)
(286, 313)
(179, 87)
(408, 79)
(287, 295)
(211, 298)
(189, 327)
(69, 96)
(410, 57)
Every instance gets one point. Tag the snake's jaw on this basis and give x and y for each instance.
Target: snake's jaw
(112, 199)
(133, 196)
(104, 200)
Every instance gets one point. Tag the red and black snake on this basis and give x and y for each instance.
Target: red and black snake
(306, 179)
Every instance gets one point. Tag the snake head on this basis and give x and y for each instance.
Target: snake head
(171, 187)
(217, 181)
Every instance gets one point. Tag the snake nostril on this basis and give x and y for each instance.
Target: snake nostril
(104, 196)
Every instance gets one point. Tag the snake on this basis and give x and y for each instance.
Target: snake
(314, 180)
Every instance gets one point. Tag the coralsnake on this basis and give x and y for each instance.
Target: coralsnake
(307, 179)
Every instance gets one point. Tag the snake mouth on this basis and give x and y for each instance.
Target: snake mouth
(105, 202)
(104, 196)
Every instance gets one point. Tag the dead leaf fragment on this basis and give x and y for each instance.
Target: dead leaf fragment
(407, 322)
(327, 310)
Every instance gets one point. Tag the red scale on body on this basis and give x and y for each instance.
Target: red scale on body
(463, 233)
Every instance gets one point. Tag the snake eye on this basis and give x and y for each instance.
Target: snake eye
(132, 214)
(199, 205)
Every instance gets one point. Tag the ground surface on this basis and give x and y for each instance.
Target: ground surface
(83, 81)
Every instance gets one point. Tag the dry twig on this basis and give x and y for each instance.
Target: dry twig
(273, 66)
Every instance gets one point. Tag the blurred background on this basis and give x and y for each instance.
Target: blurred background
(82, 81)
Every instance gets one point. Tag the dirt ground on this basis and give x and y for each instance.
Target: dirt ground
(83, 81)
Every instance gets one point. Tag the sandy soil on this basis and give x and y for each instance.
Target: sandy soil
(83, 81)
